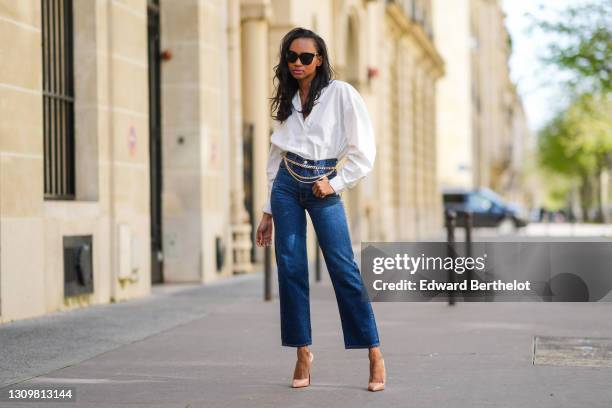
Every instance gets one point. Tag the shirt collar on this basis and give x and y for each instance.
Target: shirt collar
(297, 102)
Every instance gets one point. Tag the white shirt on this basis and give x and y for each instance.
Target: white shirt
(338, 126)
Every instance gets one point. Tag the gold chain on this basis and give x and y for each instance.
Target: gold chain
(317, 177)
(309, 166)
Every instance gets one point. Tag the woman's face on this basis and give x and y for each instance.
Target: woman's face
(298, 69)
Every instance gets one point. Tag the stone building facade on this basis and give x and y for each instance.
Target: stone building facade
(483, 133)
(74, 159)
(134, 136)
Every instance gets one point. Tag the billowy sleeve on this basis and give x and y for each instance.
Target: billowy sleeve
(361, 150)
(274, 159)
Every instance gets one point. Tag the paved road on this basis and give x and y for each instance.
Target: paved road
(219, 346)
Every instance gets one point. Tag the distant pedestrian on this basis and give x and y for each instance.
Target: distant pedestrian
(318, 122)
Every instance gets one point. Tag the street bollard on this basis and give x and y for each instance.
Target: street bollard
(469, 223)
(317, 260)
(450, 218)
(268, 272)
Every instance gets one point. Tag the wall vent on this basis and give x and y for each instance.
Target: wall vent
(78, 265)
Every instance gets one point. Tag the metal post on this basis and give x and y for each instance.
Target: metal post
(267, 273)
(469, 222)
(450, 218)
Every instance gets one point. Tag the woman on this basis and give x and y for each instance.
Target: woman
(318, 121)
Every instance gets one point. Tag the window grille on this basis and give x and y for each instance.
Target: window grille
(58, 99)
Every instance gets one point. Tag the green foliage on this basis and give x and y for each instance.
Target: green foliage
(554, 154)
(577, 143)
(558, 190)
(579, 139)
(582, 44)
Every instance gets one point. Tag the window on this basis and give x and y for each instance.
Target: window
(58, 99)
(480, 203)
(454, 198)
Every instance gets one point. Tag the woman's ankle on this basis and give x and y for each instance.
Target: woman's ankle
(374, 353)
(303, 351)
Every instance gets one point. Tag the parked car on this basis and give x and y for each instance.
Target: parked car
(487, 207)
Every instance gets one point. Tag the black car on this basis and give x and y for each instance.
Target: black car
(488, 208)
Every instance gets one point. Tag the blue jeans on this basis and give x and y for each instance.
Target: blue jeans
(289, 198)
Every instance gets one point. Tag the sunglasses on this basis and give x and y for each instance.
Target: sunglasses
(305, 57)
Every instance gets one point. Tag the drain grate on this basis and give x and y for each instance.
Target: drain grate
(572, 351)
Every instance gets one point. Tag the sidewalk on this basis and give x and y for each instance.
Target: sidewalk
(219, 346)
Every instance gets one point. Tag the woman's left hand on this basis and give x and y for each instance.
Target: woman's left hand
(322, 188)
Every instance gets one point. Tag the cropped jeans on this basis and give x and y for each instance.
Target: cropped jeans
(290, 199)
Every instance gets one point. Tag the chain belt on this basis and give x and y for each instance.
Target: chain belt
(307, 166)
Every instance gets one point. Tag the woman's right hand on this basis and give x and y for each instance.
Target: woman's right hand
(264, 231)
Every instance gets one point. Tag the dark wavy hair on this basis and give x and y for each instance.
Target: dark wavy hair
(286, 85)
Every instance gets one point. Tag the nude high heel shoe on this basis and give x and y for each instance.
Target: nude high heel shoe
(303, 382)
(378, 386)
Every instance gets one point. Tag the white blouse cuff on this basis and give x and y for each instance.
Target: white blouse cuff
(267, 208)
(337, 184)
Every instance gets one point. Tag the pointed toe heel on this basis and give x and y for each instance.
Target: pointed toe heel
(303, 382)
(378, 386)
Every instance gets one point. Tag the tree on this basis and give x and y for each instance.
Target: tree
(590, 117)
(582, 44)
(577, 143)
